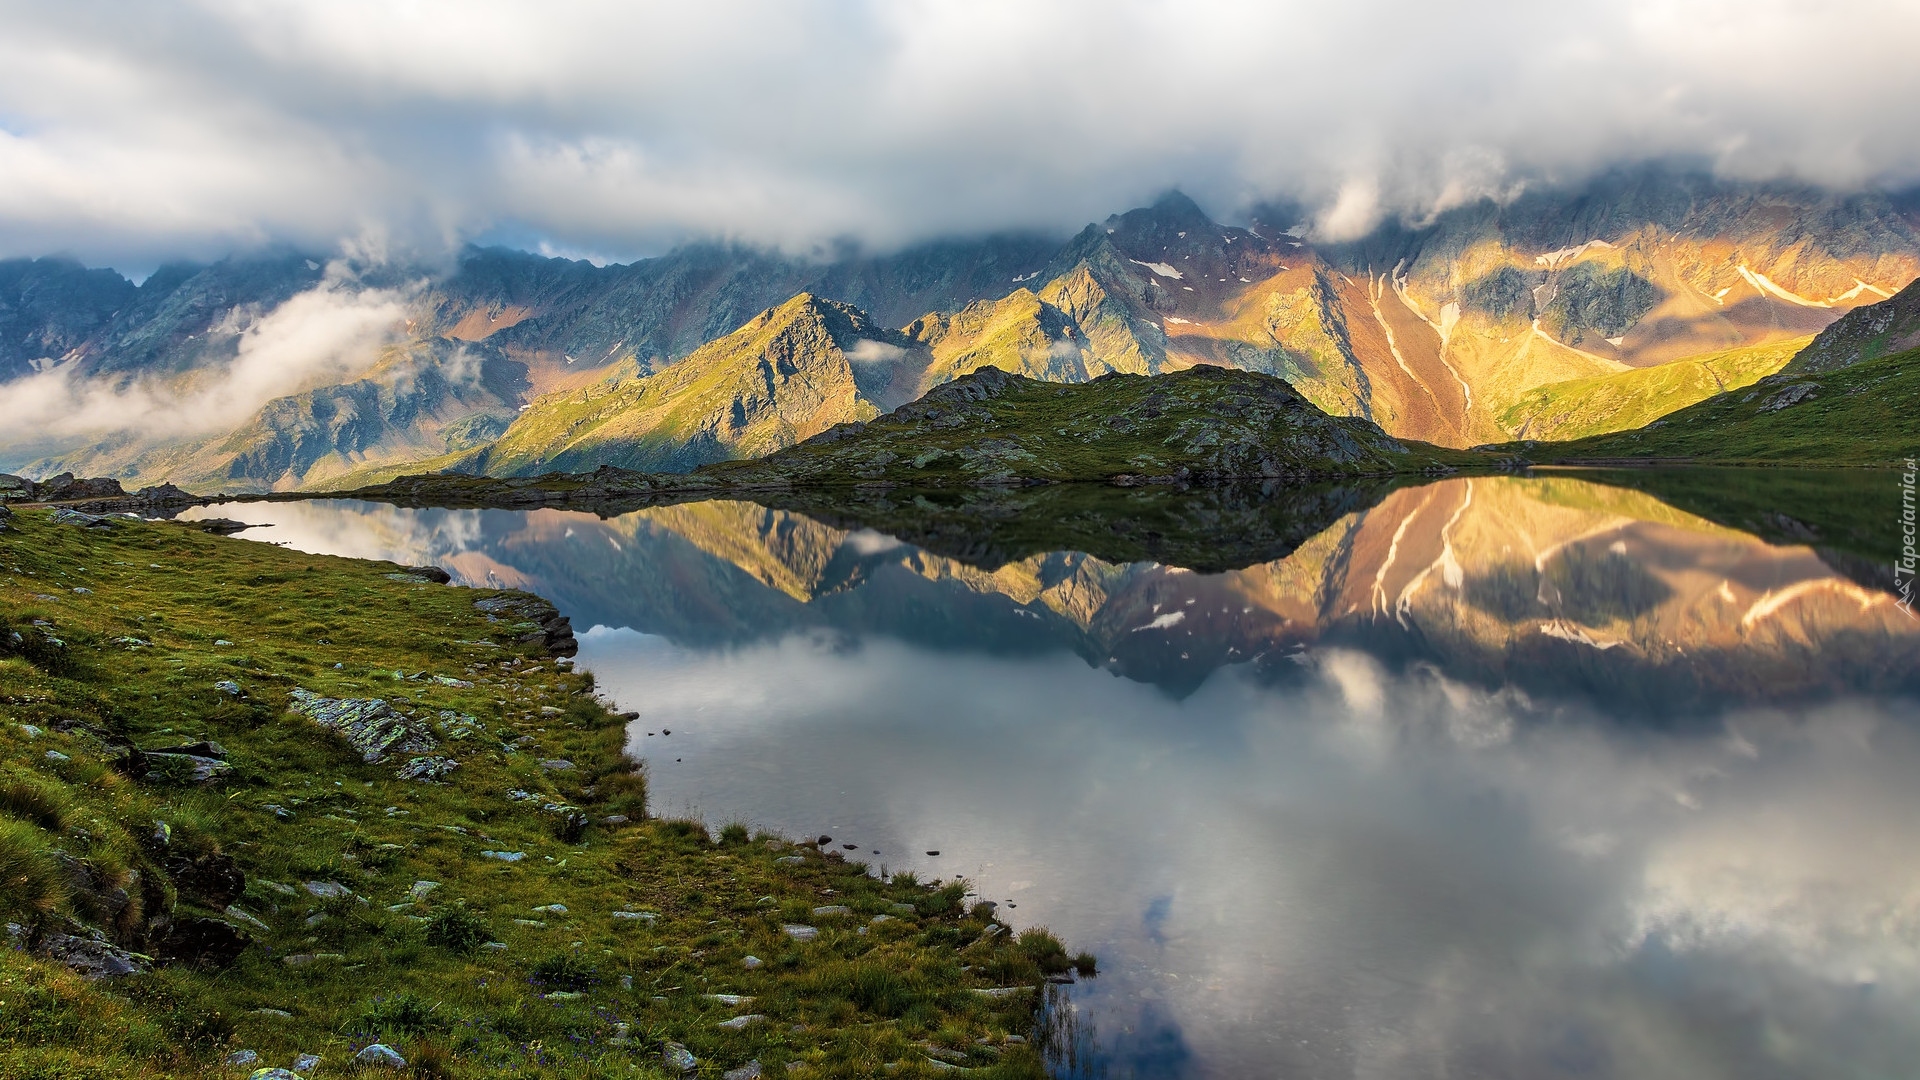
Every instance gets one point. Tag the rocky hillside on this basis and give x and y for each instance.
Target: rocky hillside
(1866, 333)
(1202, 425)
(790, 373)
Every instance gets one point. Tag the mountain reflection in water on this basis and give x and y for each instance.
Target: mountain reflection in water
(1489, 777)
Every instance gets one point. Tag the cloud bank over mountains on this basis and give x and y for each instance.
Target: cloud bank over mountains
(131, 134)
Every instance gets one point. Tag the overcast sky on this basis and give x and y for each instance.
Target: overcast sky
(135, 132)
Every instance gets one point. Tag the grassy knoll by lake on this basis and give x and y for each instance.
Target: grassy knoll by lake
(465, 874)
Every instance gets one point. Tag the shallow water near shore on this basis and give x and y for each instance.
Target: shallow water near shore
(1505, 776)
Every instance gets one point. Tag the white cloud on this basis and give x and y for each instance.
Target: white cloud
(869, 351)
(326, 334)
(194, 127)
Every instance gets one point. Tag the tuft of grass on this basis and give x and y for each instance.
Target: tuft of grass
(36, 802)
(33, 885)
(457, 927)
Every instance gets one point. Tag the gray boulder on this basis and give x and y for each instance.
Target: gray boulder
(369, 725)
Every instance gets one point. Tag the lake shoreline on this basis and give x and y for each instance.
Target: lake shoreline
(438, 921)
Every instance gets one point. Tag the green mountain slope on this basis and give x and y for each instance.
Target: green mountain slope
(1890, 326)
(1629, 399)
(1866, 414)
(789, 373)
(1204, 424)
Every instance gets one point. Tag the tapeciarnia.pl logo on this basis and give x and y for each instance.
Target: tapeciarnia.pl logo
(1903, 567)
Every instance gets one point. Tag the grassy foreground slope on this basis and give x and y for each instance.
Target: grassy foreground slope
(1866, 414)
(1629, 399)
(282, 880)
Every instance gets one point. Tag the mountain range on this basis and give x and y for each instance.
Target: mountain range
(1557, 314)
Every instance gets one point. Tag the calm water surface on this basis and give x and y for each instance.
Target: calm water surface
(1498, 778)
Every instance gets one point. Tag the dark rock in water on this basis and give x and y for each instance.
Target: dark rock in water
(369, 724)
(91, 955)
(64, 516)
(534, 618)
(205, 943)
(209, 880)
(220, 526)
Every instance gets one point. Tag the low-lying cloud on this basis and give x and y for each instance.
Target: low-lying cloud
(324, 335)
(197, 126)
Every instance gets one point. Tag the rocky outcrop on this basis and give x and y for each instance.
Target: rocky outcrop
(369, 725)
(532, 619)
(1866, 333)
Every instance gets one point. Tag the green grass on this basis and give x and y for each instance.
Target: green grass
(1625, 400)
(1866, 414)
(132, 662)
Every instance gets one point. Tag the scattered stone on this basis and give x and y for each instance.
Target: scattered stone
(903, 909)
(740, 1023)
(552, 909)
(556, 765)
(458, 684)
(64, 516)
(273, 1074)
(1000, 991)
(185, 768)
(56, 756)
(421, 889)
(30, 731)
(614, 819)
(830, 910)
(749, 1071)
(504, 856)
(82, 590)
(306, 1062)
(427, 769)
(250, 920)
(878, 919)
(751, 962)
(381, 1055)
(92, 956)
(790, 860)
(497, 946)
(679, 1057)
(647, 917)
(800, 933)
(626, 982)
(328, 890)
(369, 725)
(242, 1057)
(303, 959)
(280, 1014)
(731, 1001)
(227, 686)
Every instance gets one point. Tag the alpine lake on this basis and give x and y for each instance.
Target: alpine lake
(1542, 775)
